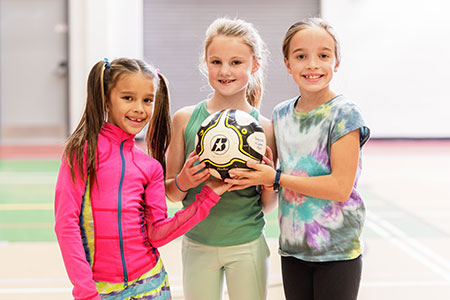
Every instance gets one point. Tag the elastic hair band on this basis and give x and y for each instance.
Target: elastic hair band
(178, 186)
(107, 63)
(157, 71)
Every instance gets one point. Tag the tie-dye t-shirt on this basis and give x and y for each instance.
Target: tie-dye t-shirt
(314, 229)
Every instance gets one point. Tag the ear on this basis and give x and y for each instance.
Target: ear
(288, 66)
(108, 109)
(336, 67)
(256, 64)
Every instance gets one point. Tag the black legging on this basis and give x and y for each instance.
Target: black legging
(334, 280)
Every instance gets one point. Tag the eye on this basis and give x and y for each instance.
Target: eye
(148, 100)
(301, 56)
(215, 62)
(324, 56)
(236, 62)
(128, 98)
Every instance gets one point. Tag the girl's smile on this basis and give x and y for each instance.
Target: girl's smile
(313, 77)
(226, 81)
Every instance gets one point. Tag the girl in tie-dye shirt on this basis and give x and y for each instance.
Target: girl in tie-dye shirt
(319, 136)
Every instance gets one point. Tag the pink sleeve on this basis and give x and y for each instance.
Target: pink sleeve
(68, 198)
(162, 230)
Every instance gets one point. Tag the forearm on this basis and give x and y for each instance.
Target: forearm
(165, 230)
(327, 187)
(172, 192)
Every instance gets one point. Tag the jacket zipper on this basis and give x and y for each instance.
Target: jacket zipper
(122, 254)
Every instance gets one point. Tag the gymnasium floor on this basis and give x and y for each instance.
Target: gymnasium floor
(407, 233)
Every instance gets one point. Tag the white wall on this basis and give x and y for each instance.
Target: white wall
(396, 62)
(395, 57)
(99, 29)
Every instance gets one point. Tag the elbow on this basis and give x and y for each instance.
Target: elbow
(343, 194)
(171, 199)
(157, 244)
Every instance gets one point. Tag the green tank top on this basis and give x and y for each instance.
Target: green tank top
(237, 218)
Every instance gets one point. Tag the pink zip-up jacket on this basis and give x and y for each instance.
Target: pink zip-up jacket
(111, 233)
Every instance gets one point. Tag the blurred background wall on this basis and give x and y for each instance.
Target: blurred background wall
(395, 57)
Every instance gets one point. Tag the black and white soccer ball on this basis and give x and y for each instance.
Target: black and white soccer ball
(228, 139)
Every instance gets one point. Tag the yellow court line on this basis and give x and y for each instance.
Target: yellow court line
(26, 225)
(26, 206)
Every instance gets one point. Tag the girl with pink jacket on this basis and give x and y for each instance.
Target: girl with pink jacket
(110, 207)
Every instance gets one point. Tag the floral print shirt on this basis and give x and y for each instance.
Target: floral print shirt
(314, 229)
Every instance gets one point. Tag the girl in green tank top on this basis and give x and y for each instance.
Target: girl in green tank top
(229, 242)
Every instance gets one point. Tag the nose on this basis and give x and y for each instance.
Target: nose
(225, 69)
(312, 62)
(138, 107)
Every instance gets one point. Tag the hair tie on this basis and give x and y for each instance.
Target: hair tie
(107, 63)
(157, 71)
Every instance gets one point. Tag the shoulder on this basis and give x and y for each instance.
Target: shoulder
(346, 107)
(146, 162)
(283, 107)
(348, 117)
(141, 157)
(182, 116)
(342, 101)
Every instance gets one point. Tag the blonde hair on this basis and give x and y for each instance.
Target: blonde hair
(250, 36)
(103, 77)
(311, 22)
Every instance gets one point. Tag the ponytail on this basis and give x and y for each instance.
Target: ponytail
(160, 128)
(254, 92)
(81, 146)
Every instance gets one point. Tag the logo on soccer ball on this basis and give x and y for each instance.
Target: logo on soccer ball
(220, 145)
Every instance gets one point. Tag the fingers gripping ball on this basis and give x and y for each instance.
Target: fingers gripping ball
(227, 140)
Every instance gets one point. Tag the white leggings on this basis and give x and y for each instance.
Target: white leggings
(245, 267)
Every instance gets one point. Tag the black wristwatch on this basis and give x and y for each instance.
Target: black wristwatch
(276, 182)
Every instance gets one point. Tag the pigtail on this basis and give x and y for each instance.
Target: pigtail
(160, 129)
(81, 146)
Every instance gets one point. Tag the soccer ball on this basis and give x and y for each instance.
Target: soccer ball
(227, 140)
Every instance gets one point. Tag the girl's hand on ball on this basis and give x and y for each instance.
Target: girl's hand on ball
(218, 186)
(191, 176)
(259, 174)
(237, 183)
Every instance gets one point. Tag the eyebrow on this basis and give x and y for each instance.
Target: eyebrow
(133, 93)
(127, 92)
(303, 49)
(231, 58)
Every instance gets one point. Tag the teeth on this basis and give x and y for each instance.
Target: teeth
(136, 120)
(312, 76)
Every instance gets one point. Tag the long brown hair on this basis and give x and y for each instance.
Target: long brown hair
(159, 132)
(81, 146)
